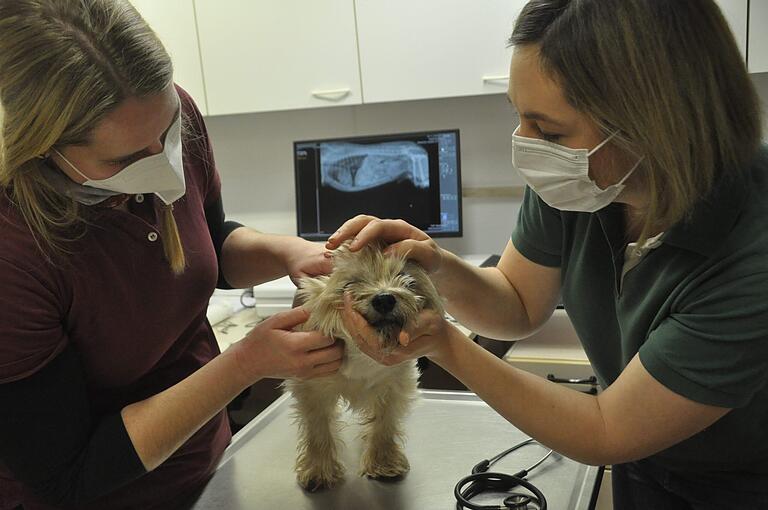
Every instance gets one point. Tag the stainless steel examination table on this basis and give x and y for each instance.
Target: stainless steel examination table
(448, 433)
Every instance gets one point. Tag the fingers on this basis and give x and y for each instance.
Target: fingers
(308, 341)
(388, 231)
(404, 338)
(288, 320)
(324, 369)
(366, 338)
(315, 362)
(348, 230)
(391, 358)
(357, 326)
(329, 354)
(325, 265)
(365, 229)
(418, 251)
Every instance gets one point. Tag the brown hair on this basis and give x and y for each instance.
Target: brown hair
(667, 75)
(66, 64)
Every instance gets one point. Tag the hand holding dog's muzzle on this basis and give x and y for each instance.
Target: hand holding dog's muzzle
(366, 337)
(425, 330)
(428, 327)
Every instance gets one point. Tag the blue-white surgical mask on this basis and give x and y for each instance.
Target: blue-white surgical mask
(560, 175)
(161, 174)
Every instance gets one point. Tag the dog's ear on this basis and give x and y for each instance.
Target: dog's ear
(310, 288)
(375, 245)
(342, 257)
(343, 247)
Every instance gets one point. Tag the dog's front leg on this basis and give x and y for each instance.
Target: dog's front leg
(387, 405)
(317, 415)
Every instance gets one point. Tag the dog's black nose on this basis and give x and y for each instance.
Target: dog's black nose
(383, 303)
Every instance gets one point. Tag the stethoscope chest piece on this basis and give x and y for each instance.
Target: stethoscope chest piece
(517, 502)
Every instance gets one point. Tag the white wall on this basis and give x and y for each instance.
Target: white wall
(254, 153)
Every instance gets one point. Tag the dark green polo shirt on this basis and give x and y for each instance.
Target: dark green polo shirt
(695, 307)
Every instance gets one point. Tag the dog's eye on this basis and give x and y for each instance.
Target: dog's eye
(350, 283)
(407, 280)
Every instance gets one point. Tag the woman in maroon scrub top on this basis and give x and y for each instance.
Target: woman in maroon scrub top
(112, 239)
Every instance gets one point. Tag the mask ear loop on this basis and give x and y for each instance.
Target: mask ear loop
(630, 171)
(73, 167)
(634, 167)
(600, 145)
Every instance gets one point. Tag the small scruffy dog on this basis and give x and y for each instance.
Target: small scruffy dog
(389, 292)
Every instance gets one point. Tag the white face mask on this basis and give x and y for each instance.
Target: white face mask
(560, 175)
(161, 174)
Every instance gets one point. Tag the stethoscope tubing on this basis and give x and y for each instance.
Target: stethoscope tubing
(484, 481)
(493, 482)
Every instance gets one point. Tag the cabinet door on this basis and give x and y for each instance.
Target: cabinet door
(605, 496)
(735, 12)
(263, 55)
(434, 48)
(758, 36)
(174, 22)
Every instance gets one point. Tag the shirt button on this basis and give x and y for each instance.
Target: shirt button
(638, 253)
(139, 198)
(152, 236)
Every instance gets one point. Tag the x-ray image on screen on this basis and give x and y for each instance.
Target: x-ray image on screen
(355, 167)
(414, 177)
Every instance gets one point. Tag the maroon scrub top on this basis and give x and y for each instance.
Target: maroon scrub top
(138, 328)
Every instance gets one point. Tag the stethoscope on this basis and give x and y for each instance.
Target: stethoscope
(481, 481)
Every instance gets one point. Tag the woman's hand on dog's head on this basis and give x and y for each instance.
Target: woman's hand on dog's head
(273, 350)
(403, 239)
(422, 338)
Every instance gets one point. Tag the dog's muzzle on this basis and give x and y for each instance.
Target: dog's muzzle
(385, 319)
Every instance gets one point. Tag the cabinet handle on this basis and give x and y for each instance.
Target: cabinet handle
(331, 95)
(491, 79)
(592, 381)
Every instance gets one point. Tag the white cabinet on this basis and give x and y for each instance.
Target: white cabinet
(605, 496)
(174, 23)
(238, 56)
(434, 48)
(278, 54)
(758, 36)
(735, 12)
(749, 22)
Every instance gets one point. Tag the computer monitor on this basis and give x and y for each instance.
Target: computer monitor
(412, 176)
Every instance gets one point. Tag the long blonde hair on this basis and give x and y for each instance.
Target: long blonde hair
(667, 75)
(65, 65)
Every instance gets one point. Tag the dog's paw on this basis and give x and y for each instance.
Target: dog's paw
(316, 477)
(384, 463)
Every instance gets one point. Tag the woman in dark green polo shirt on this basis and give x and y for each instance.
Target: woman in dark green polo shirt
(645, 213)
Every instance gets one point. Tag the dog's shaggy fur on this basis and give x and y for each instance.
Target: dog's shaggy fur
(389, 292)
